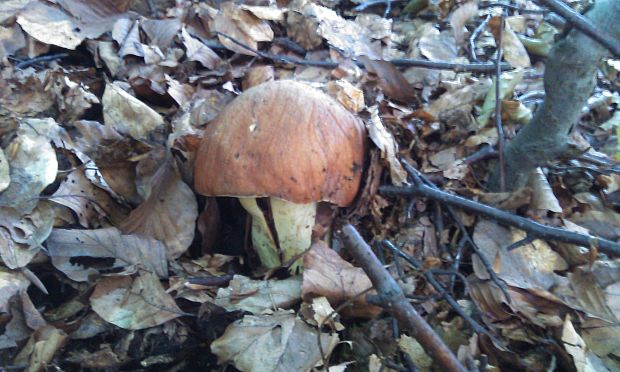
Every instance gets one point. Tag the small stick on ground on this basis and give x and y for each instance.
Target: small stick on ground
(397, 304)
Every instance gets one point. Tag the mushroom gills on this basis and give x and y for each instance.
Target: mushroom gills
(293, 223)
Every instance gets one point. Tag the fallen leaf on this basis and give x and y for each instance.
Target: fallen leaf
(127, 250)
(256, 296)
(196, 50)
(278, 342)
(460, 16)
(327, 274)
(33, 167)
(5, 177)
(11, 284)
(41, 348)
(387, 144)
(391, 80)
(37, 19)
(128, 115)
(168, 214)
(133, 303)
(514, 51)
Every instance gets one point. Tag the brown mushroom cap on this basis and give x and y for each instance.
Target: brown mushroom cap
(282, 139)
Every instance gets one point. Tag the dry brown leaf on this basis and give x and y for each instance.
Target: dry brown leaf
(241, 25)
(349, 96)
(327, 274)
(95, 17)
(133, 303)
(387, 144)
(257, 75)
(514, 51)
(391, 80)
(531, 266)
(161, 32)
(21, 236)
(11, 284)
(33, 167)
(198, 51)
(279, 342)
(128, 115)
(129, 251)
(168, 214)
(37, 19)
(41, 348)
(438, 46)
(266, 13)
(11, 40)
(460, 16)
(5, 177)
(90, 203)
(257, 296)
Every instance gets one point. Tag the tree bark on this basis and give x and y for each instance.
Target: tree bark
(570, 77)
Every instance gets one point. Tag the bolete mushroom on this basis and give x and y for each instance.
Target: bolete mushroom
(291, 143)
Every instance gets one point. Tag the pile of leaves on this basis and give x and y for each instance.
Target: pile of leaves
(110, 260)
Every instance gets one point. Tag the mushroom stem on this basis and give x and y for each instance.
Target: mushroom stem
(294, 223)
(262, 239)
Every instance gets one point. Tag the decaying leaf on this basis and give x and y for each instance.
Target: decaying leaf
(196, 50)
(278, 342)
(11, 284)
(386, 143)
(327, 274)
(41, 348)
(391, 81)
(33, 166)
(241, 25)
(133, 303)
(168, 214)
(37, 19)
(127, 114)
(21, 236)
(129, 251)
(514, 51)
(257, 296)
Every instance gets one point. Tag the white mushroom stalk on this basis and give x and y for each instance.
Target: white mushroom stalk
(293, 223)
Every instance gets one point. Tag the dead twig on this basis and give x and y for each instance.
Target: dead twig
(501, 140)
(582, 24)
(533, 228)
(400, 62)
(397, 304)
(47, 58)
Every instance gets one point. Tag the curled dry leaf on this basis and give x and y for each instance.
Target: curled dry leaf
(161, 32)
(127, 114)
(198, 51)
(327, 274)
(128, 251)
(387, 144)
(269, 343)
(133, 303)
(256, 296)
(169, 212)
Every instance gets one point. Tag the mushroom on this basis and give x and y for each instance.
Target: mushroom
(291, 143)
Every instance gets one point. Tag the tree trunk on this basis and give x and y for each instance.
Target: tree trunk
(570, 77)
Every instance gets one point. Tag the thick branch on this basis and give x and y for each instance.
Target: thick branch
(396, 302)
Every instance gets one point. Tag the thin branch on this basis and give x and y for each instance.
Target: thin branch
(534, 228)
(584, 25)
(397, 304)
(474, 36)
(501, 140)
(512, 7)
(430, 278)
(400, 62)
(47, 58)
